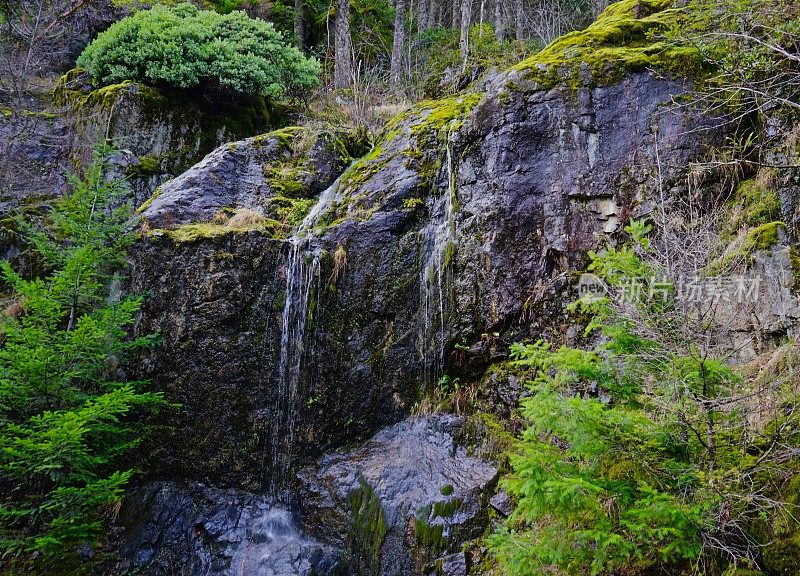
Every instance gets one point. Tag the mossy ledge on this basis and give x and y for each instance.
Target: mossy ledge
(427, 125)
(237, 221)
(759, 239)
(627, 37)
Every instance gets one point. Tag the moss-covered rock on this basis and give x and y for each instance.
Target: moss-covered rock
(741, 251)
(624, 39)
(277, 175)
(753, 203)
(168, 130)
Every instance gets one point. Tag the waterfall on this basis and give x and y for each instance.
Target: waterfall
(436, 277)
(303, 283)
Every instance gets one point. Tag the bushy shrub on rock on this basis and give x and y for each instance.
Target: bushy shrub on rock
(185, 47)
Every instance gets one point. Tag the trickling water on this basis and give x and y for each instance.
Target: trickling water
(302, 287)
(436, 280)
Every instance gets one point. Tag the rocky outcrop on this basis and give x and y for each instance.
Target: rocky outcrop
(457, 228)
(265, 173)
(196, 530)
(160, 133)
(404, 502)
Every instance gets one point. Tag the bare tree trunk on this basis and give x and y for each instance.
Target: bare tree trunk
(396, 68)
(466, 20)
(519, 19)
(422, 15)
(300, 24)
(342, 63)
(456, 15)
(500, 20)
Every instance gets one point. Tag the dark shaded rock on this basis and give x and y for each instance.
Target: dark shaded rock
(408, 497)
(213, 303)
(462, 227)
(502, 503)
(195, 530)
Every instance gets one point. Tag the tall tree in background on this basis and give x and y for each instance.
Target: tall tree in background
(398, 43)
(500, 20)
(342, 64)
(300, 24)
(466, 22)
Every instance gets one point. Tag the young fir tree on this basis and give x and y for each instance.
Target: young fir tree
(67, 413)
(649, 450)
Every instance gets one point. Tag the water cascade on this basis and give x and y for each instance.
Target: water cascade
(302, 270)
(439, 245)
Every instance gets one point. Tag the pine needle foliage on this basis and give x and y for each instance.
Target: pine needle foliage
(68, 414)
(639, 453)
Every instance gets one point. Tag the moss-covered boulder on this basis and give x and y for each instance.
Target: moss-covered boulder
(267, 183)
(162, 133)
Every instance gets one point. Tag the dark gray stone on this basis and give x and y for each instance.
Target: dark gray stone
(408, 497)
(197, 530)
(502, 503)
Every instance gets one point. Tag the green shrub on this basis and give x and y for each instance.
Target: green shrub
(643, 454)
(185, 47)
(68, 415)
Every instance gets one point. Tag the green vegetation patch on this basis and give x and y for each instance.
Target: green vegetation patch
(242, 221)
(185, 47)
(759, 239)
(630, 36)
(753, 203)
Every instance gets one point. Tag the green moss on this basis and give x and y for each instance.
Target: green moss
(450, 252)
(103, 98)
(447, 508)
(764, 237)
(284, 136)
(429, 537)
(759, 239)
(146, 204)
(368, 529)
(794, 260)
(6, 112)
(285, 178)
(205, 230)
(486, 433)
(622, 40)
(752, 204)
(780, 556)
(446, 490)
(289, 211)
(147, 166)
(742, 572)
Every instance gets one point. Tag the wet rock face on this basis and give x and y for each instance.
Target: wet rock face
(456, 234)
(196, 530)
(402, 503)
(250, 174)
(213, 303)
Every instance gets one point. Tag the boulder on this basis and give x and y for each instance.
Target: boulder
(404, 502)
(198, 530)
